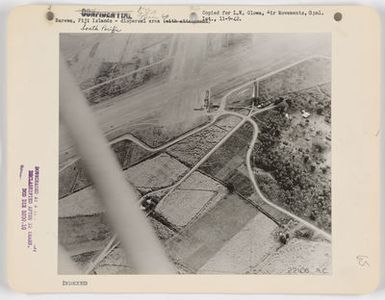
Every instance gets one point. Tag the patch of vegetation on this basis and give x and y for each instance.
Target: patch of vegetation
(293, 176)
(124, 84)
(314, 100)
(158, 135)
(191, 149)
(225, 162)
(74, 177)
(304, 233)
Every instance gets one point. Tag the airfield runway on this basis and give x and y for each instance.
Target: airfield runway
(170, 102)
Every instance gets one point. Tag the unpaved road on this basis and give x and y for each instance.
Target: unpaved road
(171, 102)
(244, 119)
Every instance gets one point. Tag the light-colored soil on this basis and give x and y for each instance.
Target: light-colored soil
(299, 257)
(198, 181)
(304, 75)
(83, 202)
(182, 205)
(240, 98)
(157, 172)
(247, 248)
(193, 198)
(154, 173)
(200, 241)
(117, 261)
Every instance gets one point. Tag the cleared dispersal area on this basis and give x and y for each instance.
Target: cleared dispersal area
(189, 157)
(197, 62)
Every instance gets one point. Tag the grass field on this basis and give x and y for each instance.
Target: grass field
(301, 76)
(198, 243)
(193, 148)
(191, 200)
(224, 163)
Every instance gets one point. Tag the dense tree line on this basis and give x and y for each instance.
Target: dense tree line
(299, 188)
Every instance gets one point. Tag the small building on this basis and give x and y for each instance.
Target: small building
(305, 114)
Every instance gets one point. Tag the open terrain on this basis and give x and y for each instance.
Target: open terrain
(228, 188)
(169, 103)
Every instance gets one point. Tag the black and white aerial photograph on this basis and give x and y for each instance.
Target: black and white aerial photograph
(225, 139)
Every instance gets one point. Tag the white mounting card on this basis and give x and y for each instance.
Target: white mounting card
(200, 149)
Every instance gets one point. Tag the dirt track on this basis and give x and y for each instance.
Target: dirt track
(171, 104)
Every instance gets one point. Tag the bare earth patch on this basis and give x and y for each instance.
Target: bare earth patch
(246, 249)
(299, 257)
